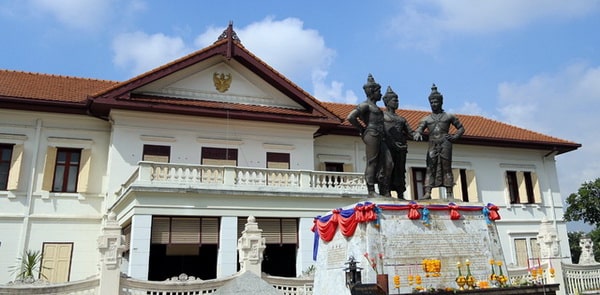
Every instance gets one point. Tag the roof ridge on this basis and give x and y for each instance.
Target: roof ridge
(57, 75)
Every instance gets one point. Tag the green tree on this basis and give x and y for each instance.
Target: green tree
(574, 238)
(585, 204)
(595, 236)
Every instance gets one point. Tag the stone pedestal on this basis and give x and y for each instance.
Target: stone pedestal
(394, 237)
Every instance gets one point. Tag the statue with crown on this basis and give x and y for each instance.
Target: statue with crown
(399, 246)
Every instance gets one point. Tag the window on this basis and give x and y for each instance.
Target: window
(418, 182)
(465, 185)
(219, 156)
(523, 187)
(5, 161)
(527, 251)
(183, 245)
(278, 160)
(11, 156)
(156, 153)
(334, 167)
(66, 170)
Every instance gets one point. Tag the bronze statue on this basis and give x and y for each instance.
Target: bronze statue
(371, 131)
(439, 153)
(397, 131)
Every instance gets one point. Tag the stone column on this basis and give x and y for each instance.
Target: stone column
(111, 245)
(547, 238)
(227, 264)
(251, 247)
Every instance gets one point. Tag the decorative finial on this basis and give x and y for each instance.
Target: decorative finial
(229, 33)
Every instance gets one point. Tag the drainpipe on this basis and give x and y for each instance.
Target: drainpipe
(24, 237)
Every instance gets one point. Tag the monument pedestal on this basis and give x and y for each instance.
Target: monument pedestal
(424, 240)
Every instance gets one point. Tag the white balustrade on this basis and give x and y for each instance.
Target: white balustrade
(199, 176)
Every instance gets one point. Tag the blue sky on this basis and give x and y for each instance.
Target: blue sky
(534, 64)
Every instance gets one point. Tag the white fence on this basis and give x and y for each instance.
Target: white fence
(581, 278)
(233, 177)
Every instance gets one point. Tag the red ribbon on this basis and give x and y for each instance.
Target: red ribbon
(454, 214)
(413, 211)
(494, 215)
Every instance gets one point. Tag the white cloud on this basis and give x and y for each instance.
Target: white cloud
(74, 13)
(139, 52)
(563, 104)
(298, 53)
(85, 15)
(424, 24)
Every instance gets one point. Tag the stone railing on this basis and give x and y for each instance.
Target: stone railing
(291, 286)
(190, 285)
(244, 178)
(581, 278)
(83, 287)
(179, 285)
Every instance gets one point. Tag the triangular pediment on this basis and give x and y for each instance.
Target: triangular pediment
(220, 80)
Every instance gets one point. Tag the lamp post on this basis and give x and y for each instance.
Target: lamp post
(353, 273)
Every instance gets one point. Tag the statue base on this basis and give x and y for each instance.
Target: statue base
(422, 243)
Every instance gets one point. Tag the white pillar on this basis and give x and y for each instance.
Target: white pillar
(227, 256)
(306, 240)
(547, 238)
(111, 245)
(139, 255)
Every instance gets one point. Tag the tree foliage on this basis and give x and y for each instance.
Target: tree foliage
(574, 238)
(575, 248)
(585, 204)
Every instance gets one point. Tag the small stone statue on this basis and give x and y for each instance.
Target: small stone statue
(397, 131)
(439, 153)
(367, 118)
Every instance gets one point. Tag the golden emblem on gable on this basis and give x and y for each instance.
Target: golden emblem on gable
(222, 81)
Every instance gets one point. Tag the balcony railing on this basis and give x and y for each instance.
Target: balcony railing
(244, 178)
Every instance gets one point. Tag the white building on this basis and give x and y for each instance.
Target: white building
(183, 154)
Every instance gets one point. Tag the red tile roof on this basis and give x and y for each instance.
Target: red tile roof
(44, 87)
(478, 130)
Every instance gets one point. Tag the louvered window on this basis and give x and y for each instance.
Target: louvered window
(275, 230)
(185, 230)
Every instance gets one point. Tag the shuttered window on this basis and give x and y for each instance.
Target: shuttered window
(523, 187)
(5, 163)
(275, 230)
(219, 156)
(185, 230)
(156, 153)
(278, 160)
(465, 186)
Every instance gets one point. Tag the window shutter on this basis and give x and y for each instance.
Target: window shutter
(160, 230)
(50, 162)
(15, 167)
(472, 186)
(521, 252)
(289, 231)
(348, 168)
(435, 193)
(84, 170)
(522, 187)
(321, 166)
(185, 230)
(271, 230)
(537, 192)
(210, 230)
(457, 188)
